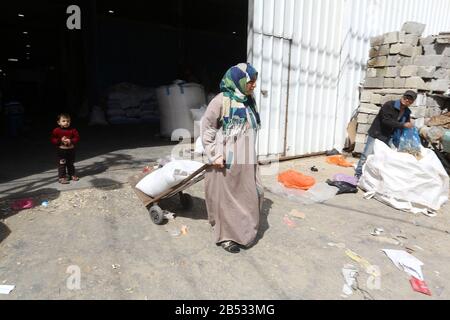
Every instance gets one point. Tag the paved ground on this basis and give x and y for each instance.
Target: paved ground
(102, 229)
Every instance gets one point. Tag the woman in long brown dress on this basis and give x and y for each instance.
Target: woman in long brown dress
(233, 190)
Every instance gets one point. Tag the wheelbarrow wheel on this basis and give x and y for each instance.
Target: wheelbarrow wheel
(186, 201)
(156, 214)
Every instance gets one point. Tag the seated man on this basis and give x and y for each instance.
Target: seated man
(388, 125)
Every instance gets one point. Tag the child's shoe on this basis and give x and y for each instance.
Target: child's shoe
(63, 181)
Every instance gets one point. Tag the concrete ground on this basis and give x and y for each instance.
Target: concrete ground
(99, 226)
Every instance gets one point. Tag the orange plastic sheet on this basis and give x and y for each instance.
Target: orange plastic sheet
(296, 180)
(339, 160)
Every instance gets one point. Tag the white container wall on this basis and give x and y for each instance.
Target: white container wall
(312, 55)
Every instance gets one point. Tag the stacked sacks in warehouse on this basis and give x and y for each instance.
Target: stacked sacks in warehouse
(400, 61)
(127, 103)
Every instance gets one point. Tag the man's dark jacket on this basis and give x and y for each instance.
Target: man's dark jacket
(387, 121)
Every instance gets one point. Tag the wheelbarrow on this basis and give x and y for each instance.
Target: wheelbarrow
(152, 204)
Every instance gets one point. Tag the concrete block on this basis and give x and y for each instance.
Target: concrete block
(377, 61)
(408, 71)
(445, 62)
(426, 72)
(392, 72)
(377, 41)
(405, 61)
(401, 36)
(439, 85)
(391, 37)
(376, 98)
(388, 83)
(406, 49)
(418, 112)
(363, 118)
(390, 97)
(359, 147)
(441, 73)
(412, 27)
(395, 48)
(416, 83)
(363, 128)
(371, 73)
(374, 83)
(399, 82)
(361, 138)
(391, 91)
(377, 51)
(371, 118)
(369, 108)
(411, 39)
(393, 61)
(429, 60)
(428, 40)
(365, 96)
(417, 51)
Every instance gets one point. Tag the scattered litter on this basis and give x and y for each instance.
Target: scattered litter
(169, 215)
(175, 233)
(297, 214)
(339, 160)
(319, 193)
(314, 169)
(362, 261)
(146, 169)
(350, 273)
(377, 231)
(115, 266)
(22, 204)
(409, 250)
(287, 221)
(420, 286)
(184, 230)
(392, 241)
(343, 187)
(296, 180)
(406, 262)
(44, 204)
(346, 178)
(6, 289)
(338, 245)
(333, 152)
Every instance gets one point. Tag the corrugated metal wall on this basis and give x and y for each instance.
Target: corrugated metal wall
(312, 55)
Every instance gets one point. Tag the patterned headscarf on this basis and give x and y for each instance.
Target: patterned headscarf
(236, 102)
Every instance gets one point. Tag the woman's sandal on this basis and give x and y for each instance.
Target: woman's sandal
(74, 178)
(231, 246)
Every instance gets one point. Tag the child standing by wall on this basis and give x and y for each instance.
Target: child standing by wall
(64, 137)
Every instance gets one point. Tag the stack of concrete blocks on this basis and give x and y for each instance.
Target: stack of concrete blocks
(401, 61)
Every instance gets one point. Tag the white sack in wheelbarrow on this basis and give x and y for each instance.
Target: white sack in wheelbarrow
(168, 176)
(400, 180)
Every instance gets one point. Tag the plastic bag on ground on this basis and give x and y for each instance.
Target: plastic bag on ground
(344, 187)
(296, 180)
(319, 193)
(346, 178)
(339, 160)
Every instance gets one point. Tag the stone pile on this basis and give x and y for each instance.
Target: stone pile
(400, 61)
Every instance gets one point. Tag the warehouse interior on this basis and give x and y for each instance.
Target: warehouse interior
(51, 69)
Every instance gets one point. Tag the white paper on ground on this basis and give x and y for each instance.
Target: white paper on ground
(350, 273)
(6, 289)
(409, 263)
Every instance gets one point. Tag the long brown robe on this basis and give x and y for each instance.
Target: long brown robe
(234, 195)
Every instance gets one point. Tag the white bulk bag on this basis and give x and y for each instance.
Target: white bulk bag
(168, 176)
(404, 182)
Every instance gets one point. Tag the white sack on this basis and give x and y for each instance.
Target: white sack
(404, 182)
(168, 176)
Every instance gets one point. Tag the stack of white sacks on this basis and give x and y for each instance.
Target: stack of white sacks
(129, 104)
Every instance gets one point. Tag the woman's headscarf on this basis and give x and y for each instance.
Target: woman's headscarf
(236, 102)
